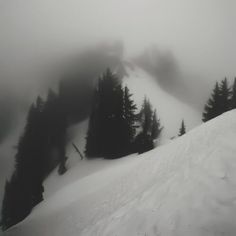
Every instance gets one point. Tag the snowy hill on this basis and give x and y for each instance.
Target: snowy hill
(170, 110)
(187, 187)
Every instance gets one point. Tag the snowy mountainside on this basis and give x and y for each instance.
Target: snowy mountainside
(170, 110)
(187, 187)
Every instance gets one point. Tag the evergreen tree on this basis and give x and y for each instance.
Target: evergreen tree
(111, 125)
(219, 101)
(45, 132)
(146, 114)
(224, 96)
(213, 108)
(150, 126)
(129, 121)
(182, 130)
(25, 188)
(156, 127)
(233, 97)
(16, 202)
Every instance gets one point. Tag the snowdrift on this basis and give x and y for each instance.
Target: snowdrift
(187, 187)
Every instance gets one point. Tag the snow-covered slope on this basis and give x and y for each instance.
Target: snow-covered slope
(170, 110)
(187, 187)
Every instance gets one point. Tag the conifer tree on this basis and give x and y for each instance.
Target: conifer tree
(45, 131)
(233, 97)
(156, 127)
(224, 96)
(182, 129)
(146, 114)
(219, 101)
(111, 124)
(25, 189)
(213, 108)
(150, 126)
(129, 121)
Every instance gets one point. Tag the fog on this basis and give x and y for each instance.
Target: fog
(35, 35)
(186, 45)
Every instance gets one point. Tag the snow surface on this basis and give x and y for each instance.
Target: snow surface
(170, 110)
(185, 188)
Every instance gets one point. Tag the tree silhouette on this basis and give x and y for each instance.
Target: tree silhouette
(45, 131)
(150, 128)
(25, 189)
(219, 102)
(111, 124)
(213, 108)
(129, 121)
(182, 129)
(233, 97)
(156, 127)
(224, 95)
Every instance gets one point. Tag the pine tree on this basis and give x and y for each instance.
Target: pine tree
(219, 101)
(129, 121)
(182, 130)
(25, 188)
(150, 126)
(156, 127)
(213, 107)
(233, 97)
(102, 131)
(16, 202)
(224, 96)
(111, 124)
(146, 114)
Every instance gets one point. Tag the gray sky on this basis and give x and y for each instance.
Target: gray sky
(35, 34)
(201, 34)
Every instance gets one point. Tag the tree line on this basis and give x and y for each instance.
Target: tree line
(40, 149)
(116, 128)
(222, 99)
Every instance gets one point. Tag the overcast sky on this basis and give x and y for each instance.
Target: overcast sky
(201, 34)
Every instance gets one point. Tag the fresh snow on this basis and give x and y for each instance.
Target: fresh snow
(170, 110)
(186, 187)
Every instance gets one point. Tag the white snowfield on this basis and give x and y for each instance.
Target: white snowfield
(184, 188)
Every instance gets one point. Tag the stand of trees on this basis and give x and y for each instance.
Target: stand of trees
(150, 128)
(112, 131)
(223, 98)
(115, 129)
(111, 125)
(41, 147)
